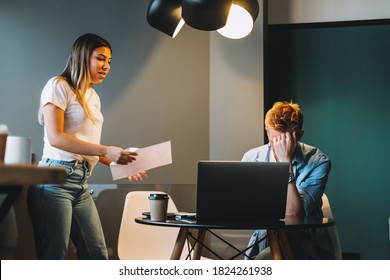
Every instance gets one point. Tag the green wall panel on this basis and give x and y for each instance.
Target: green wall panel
(340, 75)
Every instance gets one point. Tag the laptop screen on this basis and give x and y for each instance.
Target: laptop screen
(234, 192)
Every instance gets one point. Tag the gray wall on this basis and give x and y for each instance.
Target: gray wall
(188, 90)
(300, 11)
(236, 94)
(201, 91)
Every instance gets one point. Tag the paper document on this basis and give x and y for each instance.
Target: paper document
(148, 158)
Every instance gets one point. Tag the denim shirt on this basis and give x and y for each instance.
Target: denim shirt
(311, 168)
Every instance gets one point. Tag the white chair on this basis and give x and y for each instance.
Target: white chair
(326, 210)
(143, 242)
(333, 233)
(109, 204)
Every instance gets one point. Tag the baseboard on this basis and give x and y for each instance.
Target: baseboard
(351, 256)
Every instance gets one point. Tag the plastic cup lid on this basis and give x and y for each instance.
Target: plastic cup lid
(154, 196)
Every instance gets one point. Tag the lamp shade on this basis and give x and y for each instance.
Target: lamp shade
(165, 16)
(241, 19)
(206, 14)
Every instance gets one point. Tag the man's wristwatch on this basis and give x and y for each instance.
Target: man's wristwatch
(291, 177)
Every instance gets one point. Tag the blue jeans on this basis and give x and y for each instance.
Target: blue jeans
(62, 212)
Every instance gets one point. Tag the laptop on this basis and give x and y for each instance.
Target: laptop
(235, 192)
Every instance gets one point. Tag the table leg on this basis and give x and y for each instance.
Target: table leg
(280, 247)
(273, 240)
(198, 246)
(285, 245)
(179, 244)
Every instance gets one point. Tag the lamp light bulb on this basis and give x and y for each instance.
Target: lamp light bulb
(239, 23)
(178, 27)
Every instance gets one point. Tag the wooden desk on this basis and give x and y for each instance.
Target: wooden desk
(14, 177)
(276, 233)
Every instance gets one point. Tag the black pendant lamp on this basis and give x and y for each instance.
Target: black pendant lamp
(206, 14)
(165, 16)
(241, 19)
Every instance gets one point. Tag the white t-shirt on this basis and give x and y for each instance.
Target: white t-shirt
(58, 92)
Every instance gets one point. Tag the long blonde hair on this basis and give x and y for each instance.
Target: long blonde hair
(76, 71)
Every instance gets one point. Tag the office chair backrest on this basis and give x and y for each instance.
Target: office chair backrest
(144, 242)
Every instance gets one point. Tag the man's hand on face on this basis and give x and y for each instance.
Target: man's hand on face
(283, 145)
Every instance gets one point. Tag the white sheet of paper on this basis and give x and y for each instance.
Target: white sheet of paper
(148, 158)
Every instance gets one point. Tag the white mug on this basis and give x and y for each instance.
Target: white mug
(18, 150)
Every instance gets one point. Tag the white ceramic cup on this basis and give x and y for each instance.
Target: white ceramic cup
(18, 150)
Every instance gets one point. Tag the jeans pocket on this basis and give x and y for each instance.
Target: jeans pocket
(68, 165)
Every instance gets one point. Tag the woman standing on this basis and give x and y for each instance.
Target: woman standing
(70, 112)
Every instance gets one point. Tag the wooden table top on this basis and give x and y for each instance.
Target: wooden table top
(24, 174)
